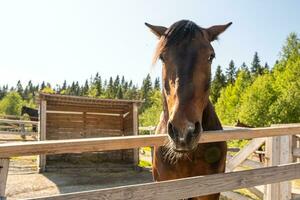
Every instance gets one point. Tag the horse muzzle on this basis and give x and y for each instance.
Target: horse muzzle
(186, 139)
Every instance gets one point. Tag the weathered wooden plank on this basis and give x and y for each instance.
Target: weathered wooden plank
(75, 108)
(256, 192)
(135, 125)
(43, 125)
(11, 121)
(244, 153)
(279, 151)
(234, 196)
(190, 187)
(4, 164)
(17, 133)
(248, 163)
(296, 152)
(128, 142)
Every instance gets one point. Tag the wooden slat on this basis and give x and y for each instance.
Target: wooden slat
(70, 98)
(244, 153)
(43, 125)
(190, 187)
(135, 125)
(296, 152)
(278, 151)
(256, 192)
(4, 163)
(234, 196)
(128, 142)
(11, 121)
(248, 163)
(93, 108)
(17, 133)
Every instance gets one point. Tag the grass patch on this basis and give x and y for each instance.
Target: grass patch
(145, 164)
(246, 193)
(296, 183)
(146, 149)
(237, 143)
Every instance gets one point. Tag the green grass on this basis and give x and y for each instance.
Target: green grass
(145, 164)
(246, 193)
(296, 183)
(146, 149)
(237, 143)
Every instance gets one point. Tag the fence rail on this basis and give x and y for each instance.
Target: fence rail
(128, 142)
(190, 187)
(178, 189)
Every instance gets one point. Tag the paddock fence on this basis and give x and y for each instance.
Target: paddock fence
(279, 171)
(16, 128)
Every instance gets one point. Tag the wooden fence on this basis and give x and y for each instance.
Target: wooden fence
(174, 189)
(10, 127)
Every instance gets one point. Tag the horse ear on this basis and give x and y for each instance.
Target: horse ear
(157, 30)
(215, 31)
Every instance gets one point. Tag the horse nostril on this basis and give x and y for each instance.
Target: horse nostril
(197, 128)
(172, 131)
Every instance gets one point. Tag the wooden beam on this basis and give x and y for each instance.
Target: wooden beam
(17, 133)
(278, 151)
(135, 126)
(129, 142)
(12, 121)
(4, 164)
(249, 163)
(244, 153)
(190, 187)
(43, 125)
(234, 196)
(296, 152)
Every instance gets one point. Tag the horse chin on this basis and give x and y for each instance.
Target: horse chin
(184, 150)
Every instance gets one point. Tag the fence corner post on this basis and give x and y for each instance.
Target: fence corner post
(4, 164)
(278, 152)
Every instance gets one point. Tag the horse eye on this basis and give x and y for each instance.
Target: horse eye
(211, 57)
(161, 58)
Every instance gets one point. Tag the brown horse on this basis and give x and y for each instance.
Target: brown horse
(186, 54)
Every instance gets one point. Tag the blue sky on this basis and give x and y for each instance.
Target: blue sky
(57, 40)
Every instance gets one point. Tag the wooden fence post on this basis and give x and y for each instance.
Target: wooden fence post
(278, 151)
(135, 131)
(4, 164)
(42, 135)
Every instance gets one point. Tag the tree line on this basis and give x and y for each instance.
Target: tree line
(260, 96)
(256, 94)
(12, 99)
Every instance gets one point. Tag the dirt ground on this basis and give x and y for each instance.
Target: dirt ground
(31, 185)
(24, 181)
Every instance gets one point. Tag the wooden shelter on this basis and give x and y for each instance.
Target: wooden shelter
(73, 117)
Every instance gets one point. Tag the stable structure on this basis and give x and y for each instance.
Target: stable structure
(72, 117)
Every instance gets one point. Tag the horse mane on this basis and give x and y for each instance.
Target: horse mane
(183, 30)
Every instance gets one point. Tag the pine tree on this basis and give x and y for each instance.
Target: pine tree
(42, 85)
(64, 86)
(20, 89)
(110, 89)
(157, 84)
(123, 81)
(217, 84)
(256, 68)
(146, 90)
(266, 68)
(85, 88)
(116, 85)
(119, 94)
(231, 73)
(98, 84)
